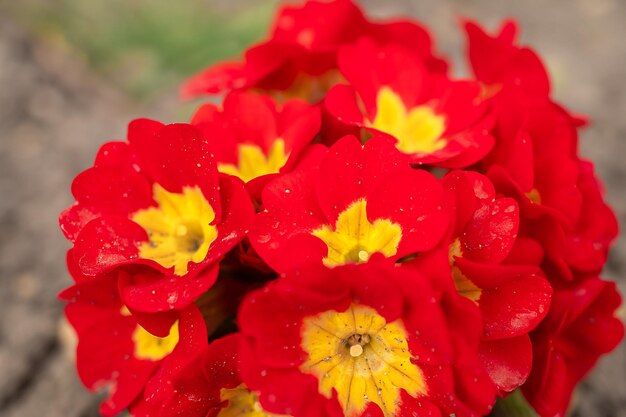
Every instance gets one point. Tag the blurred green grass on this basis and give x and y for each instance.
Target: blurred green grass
(148, 46)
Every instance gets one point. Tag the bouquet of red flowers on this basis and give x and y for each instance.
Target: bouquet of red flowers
(352, 232)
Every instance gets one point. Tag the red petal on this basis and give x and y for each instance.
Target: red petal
(214, 80)
(508, 361)
(114, 154)
(112, 190)
(350, 171)
(150, 291)
(516, 307)
(175, 156)
(291, 214)
(490, 234)
(107, 242)
(413, 199)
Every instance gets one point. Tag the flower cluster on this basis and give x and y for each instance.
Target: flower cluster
(353, 232)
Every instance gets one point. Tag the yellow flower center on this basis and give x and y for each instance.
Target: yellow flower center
(253, 163)
(153, 348)
(418, 130)
(179, 229)
(362, 357)
(354, 238)
(242, 403)
(463, 284)
(311, 89)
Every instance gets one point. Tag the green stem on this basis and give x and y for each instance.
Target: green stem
(514, 405)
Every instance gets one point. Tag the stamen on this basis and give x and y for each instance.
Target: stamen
(363, 256)
(356, 351)
(356, 343)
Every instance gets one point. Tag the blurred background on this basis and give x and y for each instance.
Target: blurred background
(74, 72)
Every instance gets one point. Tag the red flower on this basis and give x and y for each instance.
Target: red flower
(513, 298)
(360, 201)
(533, 138)
(258, 138)
(299, 58)
(115, 352)
(156, 207)
(479, 254)
(498, 63)
(562, 208)
(357, 340)
(195, 389)
(588, 244)
(580, 327)
(429, 117)
(208, 385)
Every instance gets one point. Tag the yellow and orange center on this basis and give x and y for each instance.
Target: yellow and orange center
(354, 238)
(153, 348)
(242, 403)
(179, 229)
(362, 357)
(463, 284)
(417, 130)
(309, 88)
(252, 162)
